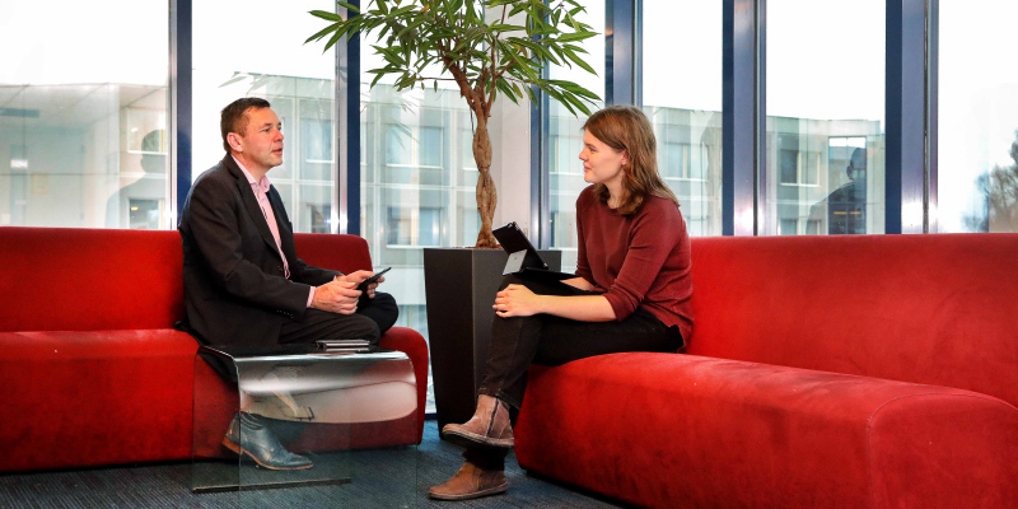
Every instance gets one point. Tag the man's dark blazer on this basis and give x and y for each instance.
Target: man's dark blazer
(235, 290)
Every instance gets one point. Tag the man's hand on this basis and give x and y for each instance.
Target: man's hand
(339, 296)
(360, 276)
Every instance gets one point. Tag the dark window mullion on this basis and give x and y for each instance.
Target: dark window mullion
(907, 152)
(620, 52)
(180, 98)
(743, 116)
(348, 132)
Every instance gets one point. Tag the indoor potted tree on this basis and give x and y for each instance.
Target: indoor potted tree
(487, 48)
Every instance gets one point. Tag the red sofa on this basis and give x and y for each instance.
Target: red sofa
(844, 371)
(92, 370)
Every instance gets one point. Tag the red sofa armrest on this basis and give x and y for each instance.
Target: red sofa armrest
(412, 343)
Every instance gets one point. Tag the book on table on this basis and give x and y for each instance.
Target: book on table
(343, 345)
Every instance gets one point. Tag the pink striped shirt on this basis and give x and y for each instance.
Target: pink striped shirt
(261, 190)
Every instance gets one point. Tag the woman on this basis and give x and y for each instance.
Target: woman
(631, 293)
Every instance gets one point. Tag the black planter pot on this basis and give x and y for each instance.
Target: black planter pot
(460, 286)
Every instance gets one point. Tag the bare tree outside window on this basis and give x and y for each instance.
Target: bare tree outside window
(999, 191)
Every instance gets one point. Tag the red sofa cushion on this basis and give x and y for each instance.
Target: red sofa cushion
(87, 279)
(79, 398)
(934, 309)
(674, 430)
(345, 253)
(79, 279)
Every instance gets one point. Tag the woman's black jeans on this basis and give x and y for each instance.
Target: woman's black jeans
(549, 340)
(544, 339)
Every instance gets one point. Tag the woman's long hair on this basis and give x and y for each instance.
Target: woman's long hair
(627, 128)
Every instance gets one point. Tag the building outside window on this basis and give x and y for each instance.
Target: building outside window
(83, 115)
(825, 84)
(297, 79)
(682, 94)
(417, 183)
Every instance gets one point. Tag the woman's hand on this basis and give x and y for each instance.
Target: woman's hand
(516, 300)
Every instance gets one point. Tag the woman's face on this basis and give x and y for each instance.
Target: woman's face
(601, 163)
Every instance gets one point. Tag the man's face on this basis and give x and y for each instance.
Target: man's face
(260, 147)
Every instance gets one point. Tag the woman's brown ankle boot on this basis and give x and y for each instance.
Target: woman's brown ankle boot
(490, 425)
(471, 481)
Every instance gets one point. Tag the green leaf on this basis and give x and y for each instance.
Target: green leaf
(575, 36)
(504, 87)
(322, 33)
(326, 15)
(378, 75)
(580, 62)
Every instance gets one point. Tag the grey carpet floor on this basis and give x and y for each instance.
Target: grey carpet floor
(379, 479)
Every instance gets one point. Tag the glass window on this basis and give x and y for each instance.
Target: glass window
(83, 115)
(417, 181)
(978, 122)
(565, 139)
(297, 79)
(316, 141)
(414, 163)
(825, 118)
(682, 94)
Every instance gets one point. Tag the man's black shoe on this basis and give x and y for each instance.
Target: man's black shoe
(249, 436)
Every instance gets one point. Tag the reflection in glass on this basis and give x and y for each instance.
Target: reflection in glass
(978, 118)
(825, 99)
(83, 114)
(143, 201)
(844, 210)
(315, 207)
(682, 43)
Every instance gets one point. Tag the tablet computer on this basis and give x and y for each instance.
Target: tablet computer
(523, 257)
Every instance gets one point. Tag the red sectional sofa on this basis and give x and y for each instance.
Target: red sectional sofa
(93, 371)
(826, 372)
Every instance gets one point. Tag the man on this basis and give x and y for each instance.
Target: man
(133, 205)
(846, 205)
(243, 282)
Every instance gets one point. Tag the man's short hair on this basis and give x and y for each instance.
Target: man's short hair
(233, 120)
(858, 160)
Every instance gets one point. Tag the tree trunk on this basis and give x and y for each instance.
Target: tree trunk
(487, 197)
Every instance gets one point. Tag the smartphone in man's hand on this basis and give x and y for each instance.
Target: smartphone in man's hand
(363, 286)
